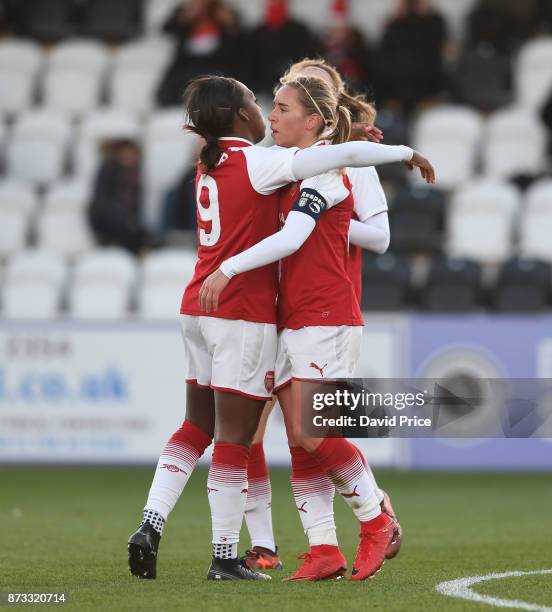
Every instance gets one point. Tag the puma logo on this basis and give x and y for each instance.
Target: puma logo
(301, 508)
(209, 490)
(317, 367)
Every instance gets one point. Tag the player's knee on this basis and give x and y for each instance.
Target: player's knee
(308, 444)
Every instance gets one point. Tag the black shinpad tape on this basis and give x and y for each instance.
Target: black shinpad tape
(310, 202)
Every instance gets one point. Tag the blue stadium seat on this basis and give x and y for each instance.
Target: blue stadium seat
(453, 285)
(385, 281)
(524, 285)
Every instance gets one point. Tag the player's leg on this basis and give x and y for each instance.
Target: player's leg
(180, 455)
(182, 452)
(341, 462)
(236, 421)
(263, 553)
(313, 493)
(174, 468)
(243, 360)
(339, 349)
(386, 507)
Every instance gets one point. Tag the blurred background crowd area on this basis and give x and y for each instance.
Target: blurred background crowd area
(97, 206)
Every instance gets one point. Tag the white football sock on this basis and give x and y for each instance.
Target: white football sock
(258, 513)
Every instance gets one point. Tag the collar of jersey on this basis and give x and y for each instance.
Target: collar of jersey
(242, 142)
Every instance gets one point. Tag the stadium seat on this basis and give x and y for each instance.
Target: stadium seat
(395, 130)
(20, 61)
(165, 275)
(514, 144)
(453, 285)
(536, 221)
(49, 21)
(33, 285)
(63, 224)
(74, 78)
(455, 13)
(482, 78)
(449, 137)
(481, 221)
(371, 24)
(533, 72)
(112, 20)
(416, 219)
(168, 153)
(102, 282)
(100, 125)
(524, 285)
(38, 146)
(17, 203)
(157, 12)
(385, 281)
(138, 67)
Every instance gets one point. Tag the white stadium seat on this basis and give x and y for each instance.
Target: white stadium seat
(17, 204)
(533, 72)
(100, 125)
(169, 151)
(514, 143)
(165, 275)
(101, 286)
(481, 221)
(20, 61)
(138, 67)
(536, 222)
(32, 285)
(449, 137)
(74, 78)
(37, 148)
(63, 225)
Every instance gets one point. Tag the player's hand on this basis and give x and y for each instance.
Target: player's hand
(366, 131)
(426, 169)
(210, 291)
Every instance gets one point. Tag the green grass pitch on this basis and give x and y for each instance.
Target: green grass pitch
(65, 529)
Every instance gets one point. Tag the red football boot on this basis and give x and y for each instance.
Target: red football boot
(260, 558)
(324, 562)
(375, 537)
(395, 544)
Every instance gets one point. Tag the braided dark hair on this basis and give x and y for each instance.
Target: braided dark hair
(211, 103)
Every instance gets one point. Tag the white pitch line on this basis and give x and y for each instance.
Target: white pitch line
(461, 588)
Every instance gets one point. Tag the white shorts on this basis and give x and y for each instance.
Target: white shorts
(230, 355)
(317, 352)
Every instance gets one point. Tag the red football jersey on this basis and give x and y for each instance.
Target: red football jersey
(237, 206)
(315, 288)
